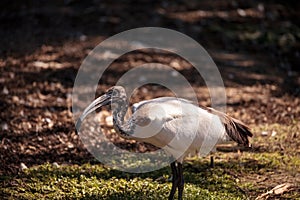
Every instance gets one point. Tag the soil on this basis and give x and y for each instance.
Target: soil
(44, 43)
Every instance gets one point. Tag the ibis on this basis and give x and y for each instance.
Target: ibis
(176, 125)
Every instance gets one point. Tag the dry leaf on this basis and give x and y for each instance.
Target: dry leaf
(279, 189)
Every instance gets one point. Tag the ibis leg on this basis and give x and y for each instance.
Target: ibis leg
(180, 183)
(174, 180)
(212, 163)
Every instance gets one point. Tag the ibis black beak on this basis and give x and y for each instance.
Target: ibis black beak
(97, 103)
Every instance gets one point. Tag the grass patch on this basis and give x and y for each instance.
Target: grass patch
(236, 175)
(97, 182)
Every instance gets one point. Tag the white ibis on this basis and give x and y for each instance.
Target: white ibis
(171, 129)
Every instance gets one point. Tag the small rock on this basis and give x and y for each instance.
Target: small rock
(55, 164)
(15, 99)
(109, 121)
(70, 145)
(48, 120)
(4, 126)
(21, 113)
(273, 133)
(264, 133)
(5, 91)
(241, 12)
(23, 166)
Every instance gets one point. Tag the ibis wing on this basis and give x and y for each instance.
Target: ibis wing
(160, 100)
(179, 134)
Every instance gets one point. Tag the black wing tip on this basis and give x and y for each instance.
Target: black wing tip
(243, 132)
(237, 131)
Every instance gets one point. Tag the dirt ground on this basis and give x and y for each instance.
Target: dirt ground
(255, 45)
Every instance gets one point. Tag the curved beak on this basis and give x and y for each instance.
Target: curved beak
(97, 103)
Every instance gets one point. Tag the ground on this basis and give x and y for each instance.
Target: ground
(254, 44)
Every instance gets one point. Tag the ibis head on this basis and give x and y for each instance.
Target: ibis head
(115, 96)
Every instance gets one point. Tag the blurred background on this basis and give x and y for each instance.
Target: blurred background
(255, 45)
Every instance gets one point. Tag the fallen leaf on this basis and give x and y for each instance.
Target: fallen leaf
(279, 189)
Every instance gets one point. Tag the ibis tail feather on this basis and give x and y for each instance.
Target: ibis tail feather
(235, 129)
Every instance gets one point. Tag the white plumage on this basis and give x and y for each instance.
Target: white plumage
(176, 125)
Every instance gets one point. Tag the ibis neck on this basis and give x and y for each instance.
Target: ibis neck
(123, 128)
